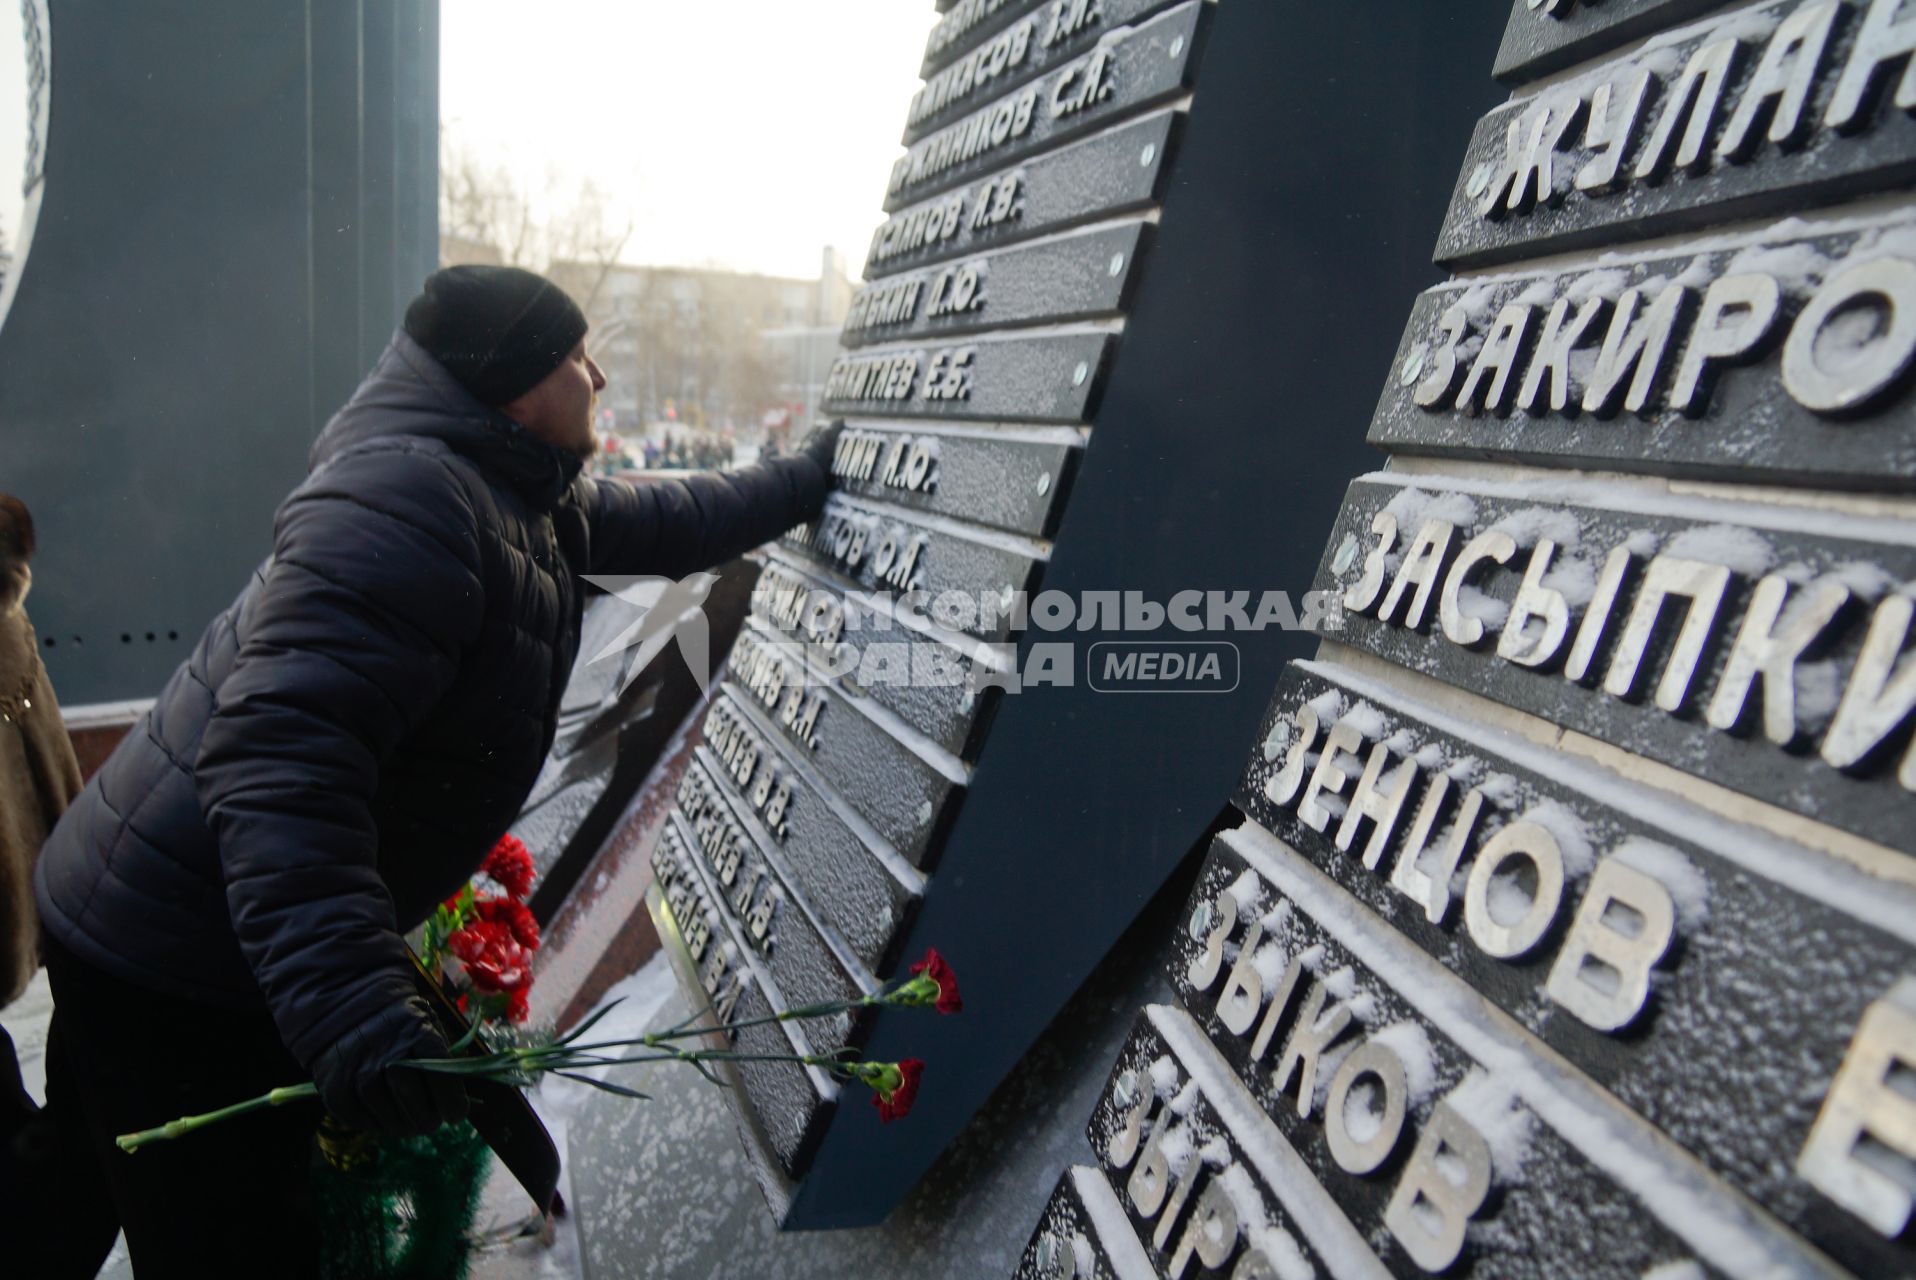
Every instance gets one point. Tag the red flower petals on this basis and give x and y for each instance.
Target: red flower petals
(510, 866)
(933, 966)
(895, 1103)
(515, 916)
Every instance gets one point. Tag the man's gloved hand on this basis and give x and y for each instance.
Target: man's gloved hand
(361, 1087)
(821, 444)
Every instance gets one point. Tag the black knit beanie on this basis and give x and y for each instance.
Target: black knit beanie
(498, 330)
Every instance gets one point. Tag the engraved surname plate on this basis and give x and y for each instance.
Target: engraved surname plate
(1076, 277)
(1082, 1234)
(1049, 378)
(1780, 356)
(784, 1098)
(1753, 646)
(924, 681)
(1046, 34)
(1661, 950)
(1136, 68)
(1008, 478)
(883, 552)
(1770, 107)
(1111, 173)
(1442, 1133)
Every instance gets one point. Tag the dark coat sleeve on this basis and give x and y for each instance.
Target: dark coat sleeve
(675, 527)
(354, 633)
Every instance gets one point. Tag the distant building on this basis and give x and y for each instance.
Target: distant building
(710, 348)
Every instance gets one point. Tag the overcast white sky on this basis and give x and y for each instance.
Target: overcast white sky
(745, 132)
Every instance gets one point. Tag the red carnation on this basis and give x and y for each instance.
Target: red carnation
(510, 866)
(515, 916)
(894, 1095)
(493, 958)
(933, 966)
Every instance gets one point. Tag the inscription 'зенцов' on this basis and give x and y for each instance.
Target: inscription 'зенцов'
(1788, 355)
(1770, 107)
(1637, 941)
(1769, 660)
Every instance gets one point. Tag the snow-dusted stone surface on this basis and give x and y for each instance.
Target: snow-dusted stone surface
(1861, 565)
(1675, 190)
(662, 1190)
(1774, 954)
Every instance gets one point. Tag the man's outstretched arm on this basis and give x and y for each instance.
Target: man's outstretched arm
(675, 527)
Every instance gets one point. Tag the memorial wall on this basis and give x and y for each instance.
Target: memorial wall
(1071, 392)
(1566, 922)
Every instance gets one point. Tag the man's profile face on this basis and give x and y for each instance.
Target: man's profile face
(559, 409)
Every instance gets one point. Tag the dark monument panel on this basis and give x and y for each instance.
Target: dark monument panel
(787, 1104)
(1410, 1082)
(1644, 941)
(1130, 71)
(1194, 1184)
(840, 878)
(868, 547)
(1081, 1235)
(1107, 175)
(1005, 478)
(1045, 34)
(1548, 35)
(929, 684)
(909, 798)
(1080, 276)
(1701, 126)
(1783, 357)
(1043, 378)
(760, 902)
(1749, 645)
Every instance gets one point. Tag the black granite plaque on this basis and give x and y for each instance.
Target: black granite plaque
(1049, 378)
(1420, 1111)
(790, 1103)
(1083, 1235)
(1007, 478)
(860, 895)
(907, 788)
(751, 885)
(934, 684)
(1081, 276)
(1769, 108)
(1134, 69)
(1115, 172)
(1666, 953)
(1043, 35)
(1548, 35)
(965, 24)
(1198, 1172)
(870, 547)
(1751, 645)
(1781, 355)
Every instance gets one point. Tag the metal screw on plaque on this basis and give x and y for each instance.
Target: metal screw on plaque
(1413, 368)
(1346, 555)
(1044, 484)
(1201, 920)
(1117, 263)
(1126, 1092)
(1149, 154)
(1177, 46)
(1079, 374)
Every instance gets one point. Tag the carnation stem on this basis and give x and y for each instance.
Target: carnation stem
(131, 1142)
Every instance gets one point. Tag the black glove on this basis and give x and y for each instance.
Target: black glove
(361, 1087)
(821, 444)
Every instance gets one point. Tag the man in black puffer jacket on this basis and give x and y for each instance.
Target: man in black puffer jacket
(223, 904)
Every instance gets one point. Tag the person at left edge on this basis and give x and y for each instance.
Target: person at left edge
(223, 904)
